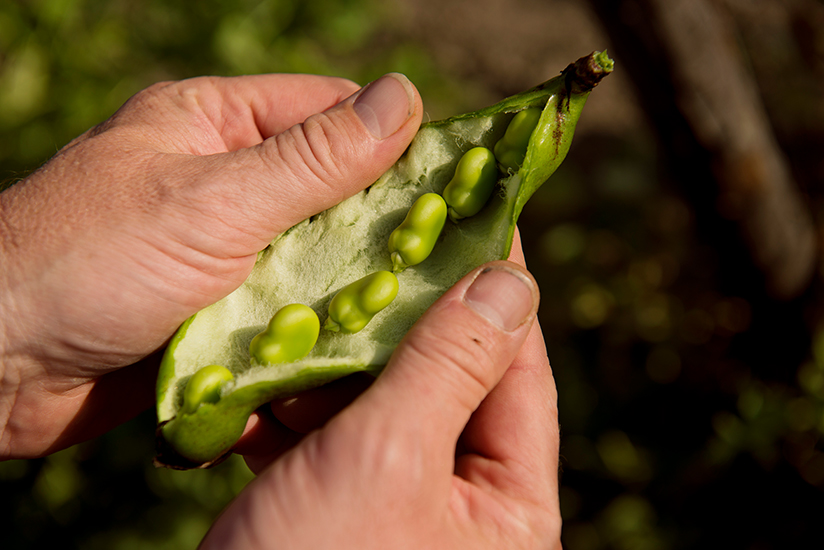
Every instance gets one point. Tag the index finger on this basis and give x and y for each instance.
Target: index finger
(271, 103)
(228, 113)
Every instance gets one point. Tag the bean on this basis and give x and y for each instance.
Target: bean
(470, 188)
(204, 387)
(413, 240)
(355, 304)
(290, 335)
(511, 148)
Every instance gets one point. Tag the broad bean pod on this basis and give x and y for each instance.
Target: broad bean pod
(290, 335)
(470, 188)
(413, 240)
(348, 242)
(511, 149)
(355, 304)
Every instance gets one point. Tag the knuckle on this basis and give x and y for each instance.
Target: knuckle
(465, 358)
(315, 149)
(147, 97)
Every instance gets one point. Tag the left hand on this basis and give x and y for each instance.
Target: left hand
(155, 214)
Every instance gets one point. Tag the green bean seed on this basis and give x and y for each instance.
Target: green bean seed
(511, 148)
(204, 387)
(413, 240)
(290, 335)
(355, 304)
(472, 185)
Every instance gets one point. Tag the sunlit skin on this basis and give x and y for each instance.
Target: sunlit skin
(161, 210)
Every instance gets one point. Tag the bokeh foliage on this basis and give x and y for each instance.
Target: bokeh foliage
(66, 65)
(673, 435)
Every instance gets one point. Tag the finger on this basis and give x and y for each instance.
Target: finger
(246, 110)
(450, 360)
(311, 409)
(260, 461)
(312, 166)
(264, 440)
(79, 414)
(517, 426)
(206, 115)
(271, 104)
(270, 433)
(516, 253)
(263, 434)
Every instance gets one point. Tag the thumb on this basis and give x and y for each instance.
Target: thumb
(452, 358)
(321, 161)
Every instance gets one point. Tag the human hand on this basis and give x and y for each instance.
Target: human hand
(157, 213)
(455, 445)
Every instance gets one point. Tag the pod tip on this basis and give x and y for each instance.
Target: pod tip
(603, 60)
(587, 72)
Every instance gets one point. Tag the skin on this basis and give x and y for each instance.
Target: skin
(160, 211)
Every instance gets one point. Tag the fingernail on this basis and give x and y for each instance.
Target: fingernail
(504, 296)
(385, 104)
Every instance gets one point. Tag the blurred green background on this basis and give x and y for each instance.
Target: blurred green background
(688, 419)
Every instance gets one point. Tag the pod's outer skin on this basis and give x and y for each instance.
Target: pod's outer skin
(311, 261)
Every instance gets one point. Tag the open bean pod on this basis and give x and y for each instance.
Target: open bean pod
(314, 260)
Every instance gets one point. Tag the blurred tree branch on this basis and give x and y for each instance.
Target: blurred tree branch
(704, 103)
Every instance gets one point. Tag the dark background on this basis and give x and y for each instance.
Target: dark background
(677, 248)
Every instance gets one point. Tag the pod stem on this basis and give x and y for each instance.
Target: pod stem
(584, 74)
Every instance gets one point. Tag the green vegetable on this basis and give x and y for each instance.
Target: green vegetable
(511, 149)
(355, 305)
(204, 387)
(289, 336)
(472, 185)
(413, 240)
(311, 262)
